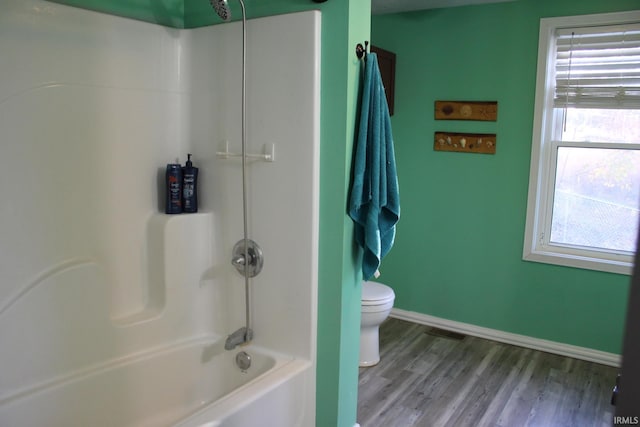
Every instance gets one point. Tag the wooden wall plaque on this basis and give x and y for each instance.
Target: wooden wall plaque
(466, 110)
(483, 143)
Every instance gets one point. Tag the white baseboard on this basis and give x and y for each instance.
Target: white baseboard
(583, 353)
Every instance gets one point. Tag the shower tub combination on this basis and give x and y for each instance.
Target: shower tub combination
(111, 312)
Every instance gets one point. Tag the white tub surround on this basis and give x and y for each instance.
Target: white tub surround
(109, 306)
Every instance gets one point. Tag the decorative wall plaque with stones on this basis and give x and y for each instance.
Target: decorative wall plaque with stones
(482, 143)
(467, 110)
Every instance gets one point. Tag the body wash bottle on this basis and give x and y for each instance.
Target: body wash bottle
(173, 179)
(189, 187)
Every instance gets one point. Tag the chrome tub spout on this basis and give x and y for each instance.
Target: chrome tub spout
(241, 336)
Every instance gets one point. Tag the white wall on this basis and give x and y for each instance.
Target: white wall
(91, 109)
(282, 109)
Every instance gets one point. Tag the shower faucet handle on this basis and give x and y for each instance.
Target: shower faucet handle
(238, 261)
(254, 262)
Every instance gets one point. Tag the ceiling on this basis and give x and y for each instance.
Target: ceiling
(379, 7)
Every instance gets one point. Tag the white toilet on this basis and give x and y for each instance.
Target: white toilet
(377, 301)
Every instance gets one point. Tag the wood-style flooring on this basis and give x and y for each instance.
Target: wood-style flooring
(430, 378)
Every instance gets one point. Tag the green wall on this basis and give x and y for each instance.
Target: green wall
(164, 12)
(458, 250)
(344, 23)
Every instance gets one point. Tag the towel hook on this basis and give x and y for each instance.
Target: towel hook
(361, 51)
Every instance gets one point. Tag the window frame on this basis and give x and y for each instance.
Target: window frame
(537, 245)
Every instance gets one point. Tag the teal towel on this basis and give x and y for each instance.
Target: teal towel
(375, 201)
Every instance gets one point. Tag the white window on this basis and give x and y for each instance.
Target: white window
(584, 185)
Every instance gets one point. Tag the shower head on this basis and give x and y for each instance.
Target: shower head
(222, 9)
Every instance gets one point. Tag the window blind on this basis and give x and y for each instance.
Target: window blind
(598, 67)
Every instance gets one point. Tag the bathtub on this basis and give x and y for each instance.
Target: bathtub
(194, 383)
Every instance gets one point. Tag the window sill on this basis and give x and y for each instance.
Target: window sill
(588, 263)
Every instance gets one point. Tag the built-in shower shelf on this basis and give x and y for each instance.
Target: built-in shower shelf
(268, 153)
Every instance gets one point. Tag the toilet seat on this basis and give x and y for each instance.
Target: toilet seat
(375, 294)
(377, 308)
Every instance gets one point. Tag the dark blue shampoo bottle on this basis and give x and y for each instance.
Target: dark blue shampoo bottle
(189, 187)
(174, 188)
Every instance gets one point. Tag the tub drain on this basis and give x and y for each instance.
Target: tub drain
(243, 360)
